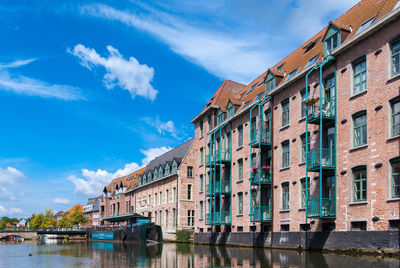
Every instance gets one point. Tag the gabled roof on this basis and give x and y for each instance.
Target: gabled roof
(177, 154)
(133, 183)
(227, 90)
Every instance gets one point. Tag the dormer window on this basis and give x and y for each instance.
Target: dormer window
(251, 89)
(174, 167)
(269, 83)
(220, 117)
(312, 60)
(230, 111)
(258, 96)
(331, 40)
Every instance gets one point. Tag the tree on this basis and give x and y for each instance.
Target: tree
(48, 219)
(65, 221)
(36, 220)
(72, 219)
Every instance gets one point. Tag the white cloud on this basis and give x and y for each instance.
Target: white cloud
(161, 126)
(91, 182)
(32, 87)
(221, 54)
(10, 175)
(16, 63)
(61, 201)
(127, 74)
(10, 212)
(153, 153)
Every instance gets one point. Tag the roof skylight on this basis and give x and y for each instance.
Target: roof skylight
(280, 66)
(258, 96)
(292, 73)
(312, 60)
(365, 25)
(251, 89)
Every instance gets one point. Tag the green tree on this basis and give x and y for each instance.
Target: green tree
(65, 221)
(77, 217)
(48, 219)
(36, 220)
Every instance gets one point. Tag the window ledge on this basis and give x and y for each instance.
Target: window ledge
(358, 203)
(284, 210)
(284, 127)
(302, 119)
(391, 79)
(238, 148)
(358, 148)
(393, 138)
(393, 199)
(284, 168)
(354, 96)
(302, 163)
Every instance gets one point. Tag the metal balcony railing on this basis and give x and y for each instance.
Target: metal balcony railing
(220, 156)
(261, 213)
(321, 208)
(314, 110)
(261, 135)
(321, 157)
(222, 218)
(261, 176)
(222, 187)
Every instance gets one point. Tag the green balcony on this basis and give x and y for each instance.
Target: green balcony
(324, 108)
(220, 157)
(261, 176)
(321, 208)
(261, 214)
(261, 136)
(321, 158)
(222, 218)
(209, 189)
(222, 187)
(209, 219)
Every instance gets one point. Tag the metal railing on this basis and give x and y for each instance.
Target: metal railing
(261, 135)
(261, 213)
(262, 176)
(321, 157)
(321, 207)
(328, 109)
(223, 186)
(219, 156)
(222, 218)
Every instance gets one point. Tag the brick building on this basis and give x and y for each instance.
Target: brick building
(165, 190)
(91, 212)
(328, 112)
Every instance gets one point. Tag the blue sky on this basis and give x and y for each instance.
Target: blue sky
(90, 90)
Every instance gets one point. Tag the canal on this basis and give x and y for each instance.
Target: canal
(169, 255)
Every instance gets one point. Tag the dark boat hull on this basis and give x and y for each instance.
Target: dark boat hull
(140, 233)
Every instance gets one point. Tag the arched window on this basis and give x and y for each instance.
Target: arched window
(220, 117)
(160, 172)
(155, 176)
(144, 178)
(230, 110)
(149, 176)
(167, 170)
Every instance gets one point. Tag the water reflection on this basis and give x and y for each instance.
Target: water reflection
(169, 255)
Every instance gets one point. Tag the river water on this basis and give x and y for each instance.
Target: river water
(169, 255)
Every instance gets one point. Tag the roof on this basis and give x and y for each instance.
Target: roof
(133, 178)
(79, 207)
(93, 200)
(299, 59)
(177, 154)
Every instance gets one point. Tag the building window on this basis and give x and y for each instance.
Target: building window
(395, 117)
(360, 184)
(285, 112)
(155, 199)
(240, 203)
(395, 58)
(190, 172)
(174, 194)
(161, 198)
(201, 129)
(190, 218)
(304, 190)
(173, 217)
(201, 210)
(230, 111)
(209, 122)
(160, 217)
(149, 199)
(155, 217)
(285, 196)
(189, 192)
(254, 160)
(240, 136)
(305, 227)
(285, 227)
(395, 174)
(332, 42)
(359, 226)
(285, 154)
(360, 76)
(201, 156)
(167, 196)
(201, 183)
(304, 97)
(220, 117)
(240, 170)
(304, 147)
(394, 224)
(166, 218)
(270, 83)
(360, 129)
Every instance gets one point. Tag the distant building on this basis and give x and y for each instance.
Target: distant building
(91, 211)
(58, 215)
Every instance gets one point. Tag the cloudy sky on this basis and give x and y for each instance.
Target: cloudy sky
(89, 90)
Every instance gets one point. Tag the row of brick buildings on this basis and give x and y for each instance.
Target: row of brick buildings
(312, 144)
